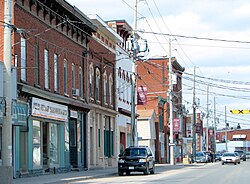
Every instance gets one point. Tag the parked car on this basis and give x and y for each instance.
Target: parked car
(230, 158)
(247, 154)
(217, 157)
(136, 159)
(242, 154)
(201, 157)
(209, 156)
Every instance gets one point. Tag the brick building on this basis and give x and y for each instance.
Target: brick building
(153, 77)
(50, 55)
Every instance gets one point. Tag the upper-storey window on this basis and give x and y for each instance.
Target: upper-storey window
(23, 59)
(65, 77)
(37, 68)
(80, 82)
(73, 76)
(111, 89)
(55, 72)
(91, 76)
(105, 81)
(46, 69)
(97, 84)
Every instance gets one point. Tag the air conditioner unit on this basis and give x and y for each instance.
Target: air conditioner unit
(75, 92)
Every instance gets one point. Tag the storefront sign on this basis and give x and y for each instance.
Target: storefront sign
(73, 114)
(50, 110)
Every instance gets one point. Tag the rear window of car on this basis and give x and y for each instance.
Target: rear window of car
(228, 154)
(135, 152)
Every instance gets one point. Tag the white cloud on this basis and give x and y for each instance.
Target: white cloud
(242, 11)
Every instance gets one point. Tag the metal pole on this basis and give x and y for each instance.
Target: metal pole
(214, 125)
(194, 123)
(133, 87)
(171, 137)
(207, 119)
(226, 127)
(7, 119)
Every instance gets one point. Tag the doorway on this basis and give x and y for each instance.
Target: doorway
(73, 143)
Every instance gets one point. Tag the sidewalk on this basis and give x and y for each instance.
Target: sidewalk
(67, 177)
(82, 175)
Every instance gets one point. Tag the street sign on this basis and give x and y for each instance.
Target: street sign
(240, 111)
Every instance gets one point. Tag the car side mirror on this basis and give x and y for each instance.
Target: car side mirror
(150, 154)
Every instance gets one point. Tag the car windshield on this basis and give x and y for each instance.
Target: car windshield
(199, 154)
(135, 152)
(228, 155)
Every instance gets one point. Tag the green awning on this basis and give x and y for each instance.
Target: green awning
(20, 114)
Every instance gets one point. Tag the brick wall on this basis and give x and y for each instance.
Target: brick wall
(54, 41)
(104, 59)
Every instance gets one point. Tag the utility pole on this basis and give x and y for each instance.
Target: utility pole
(214, 125)
(207, 118)
(170, 88)
(133, 87)
(7, 119)
(194, 124)
(226, 127)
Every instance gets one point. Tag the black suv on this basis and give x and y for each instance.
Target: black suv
(136, 159)
(242, 154)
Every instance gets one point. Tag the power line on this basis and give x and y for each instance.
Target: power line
(195, 37)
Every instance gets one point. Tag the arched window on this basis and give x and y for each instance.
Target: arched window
(97, 84)
(111, 89)
(91, 76)
(105, 81)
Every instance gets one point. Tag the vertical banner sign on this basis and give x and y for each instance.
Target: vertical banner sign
(198, 128)
(142, 95)
(176, 124)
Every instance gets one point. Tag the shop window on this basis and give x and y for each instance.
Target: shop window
(108, 139)
(66, 143)
(36, 143)
(53, 142)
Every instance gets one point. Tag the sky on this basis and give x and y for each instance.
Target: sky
(212, 36)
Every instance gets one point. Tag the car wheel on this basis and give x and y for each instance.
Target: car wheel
(146, 171)
(153, 170)
(238, 162)
(244, 160)
(127, 173)
(222, 163)
(235, 163)
(120, 173)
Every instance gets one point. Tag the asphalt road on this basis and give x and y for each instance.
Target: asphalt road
(211, 173)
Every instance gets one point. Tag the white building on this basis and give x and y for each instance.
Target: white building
(146, 128)
(123, 84)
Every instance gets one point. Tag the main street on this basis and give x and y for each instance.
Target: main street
(205, 173)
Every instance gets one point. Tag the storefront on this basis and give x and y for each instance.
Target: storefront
(42, 145)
